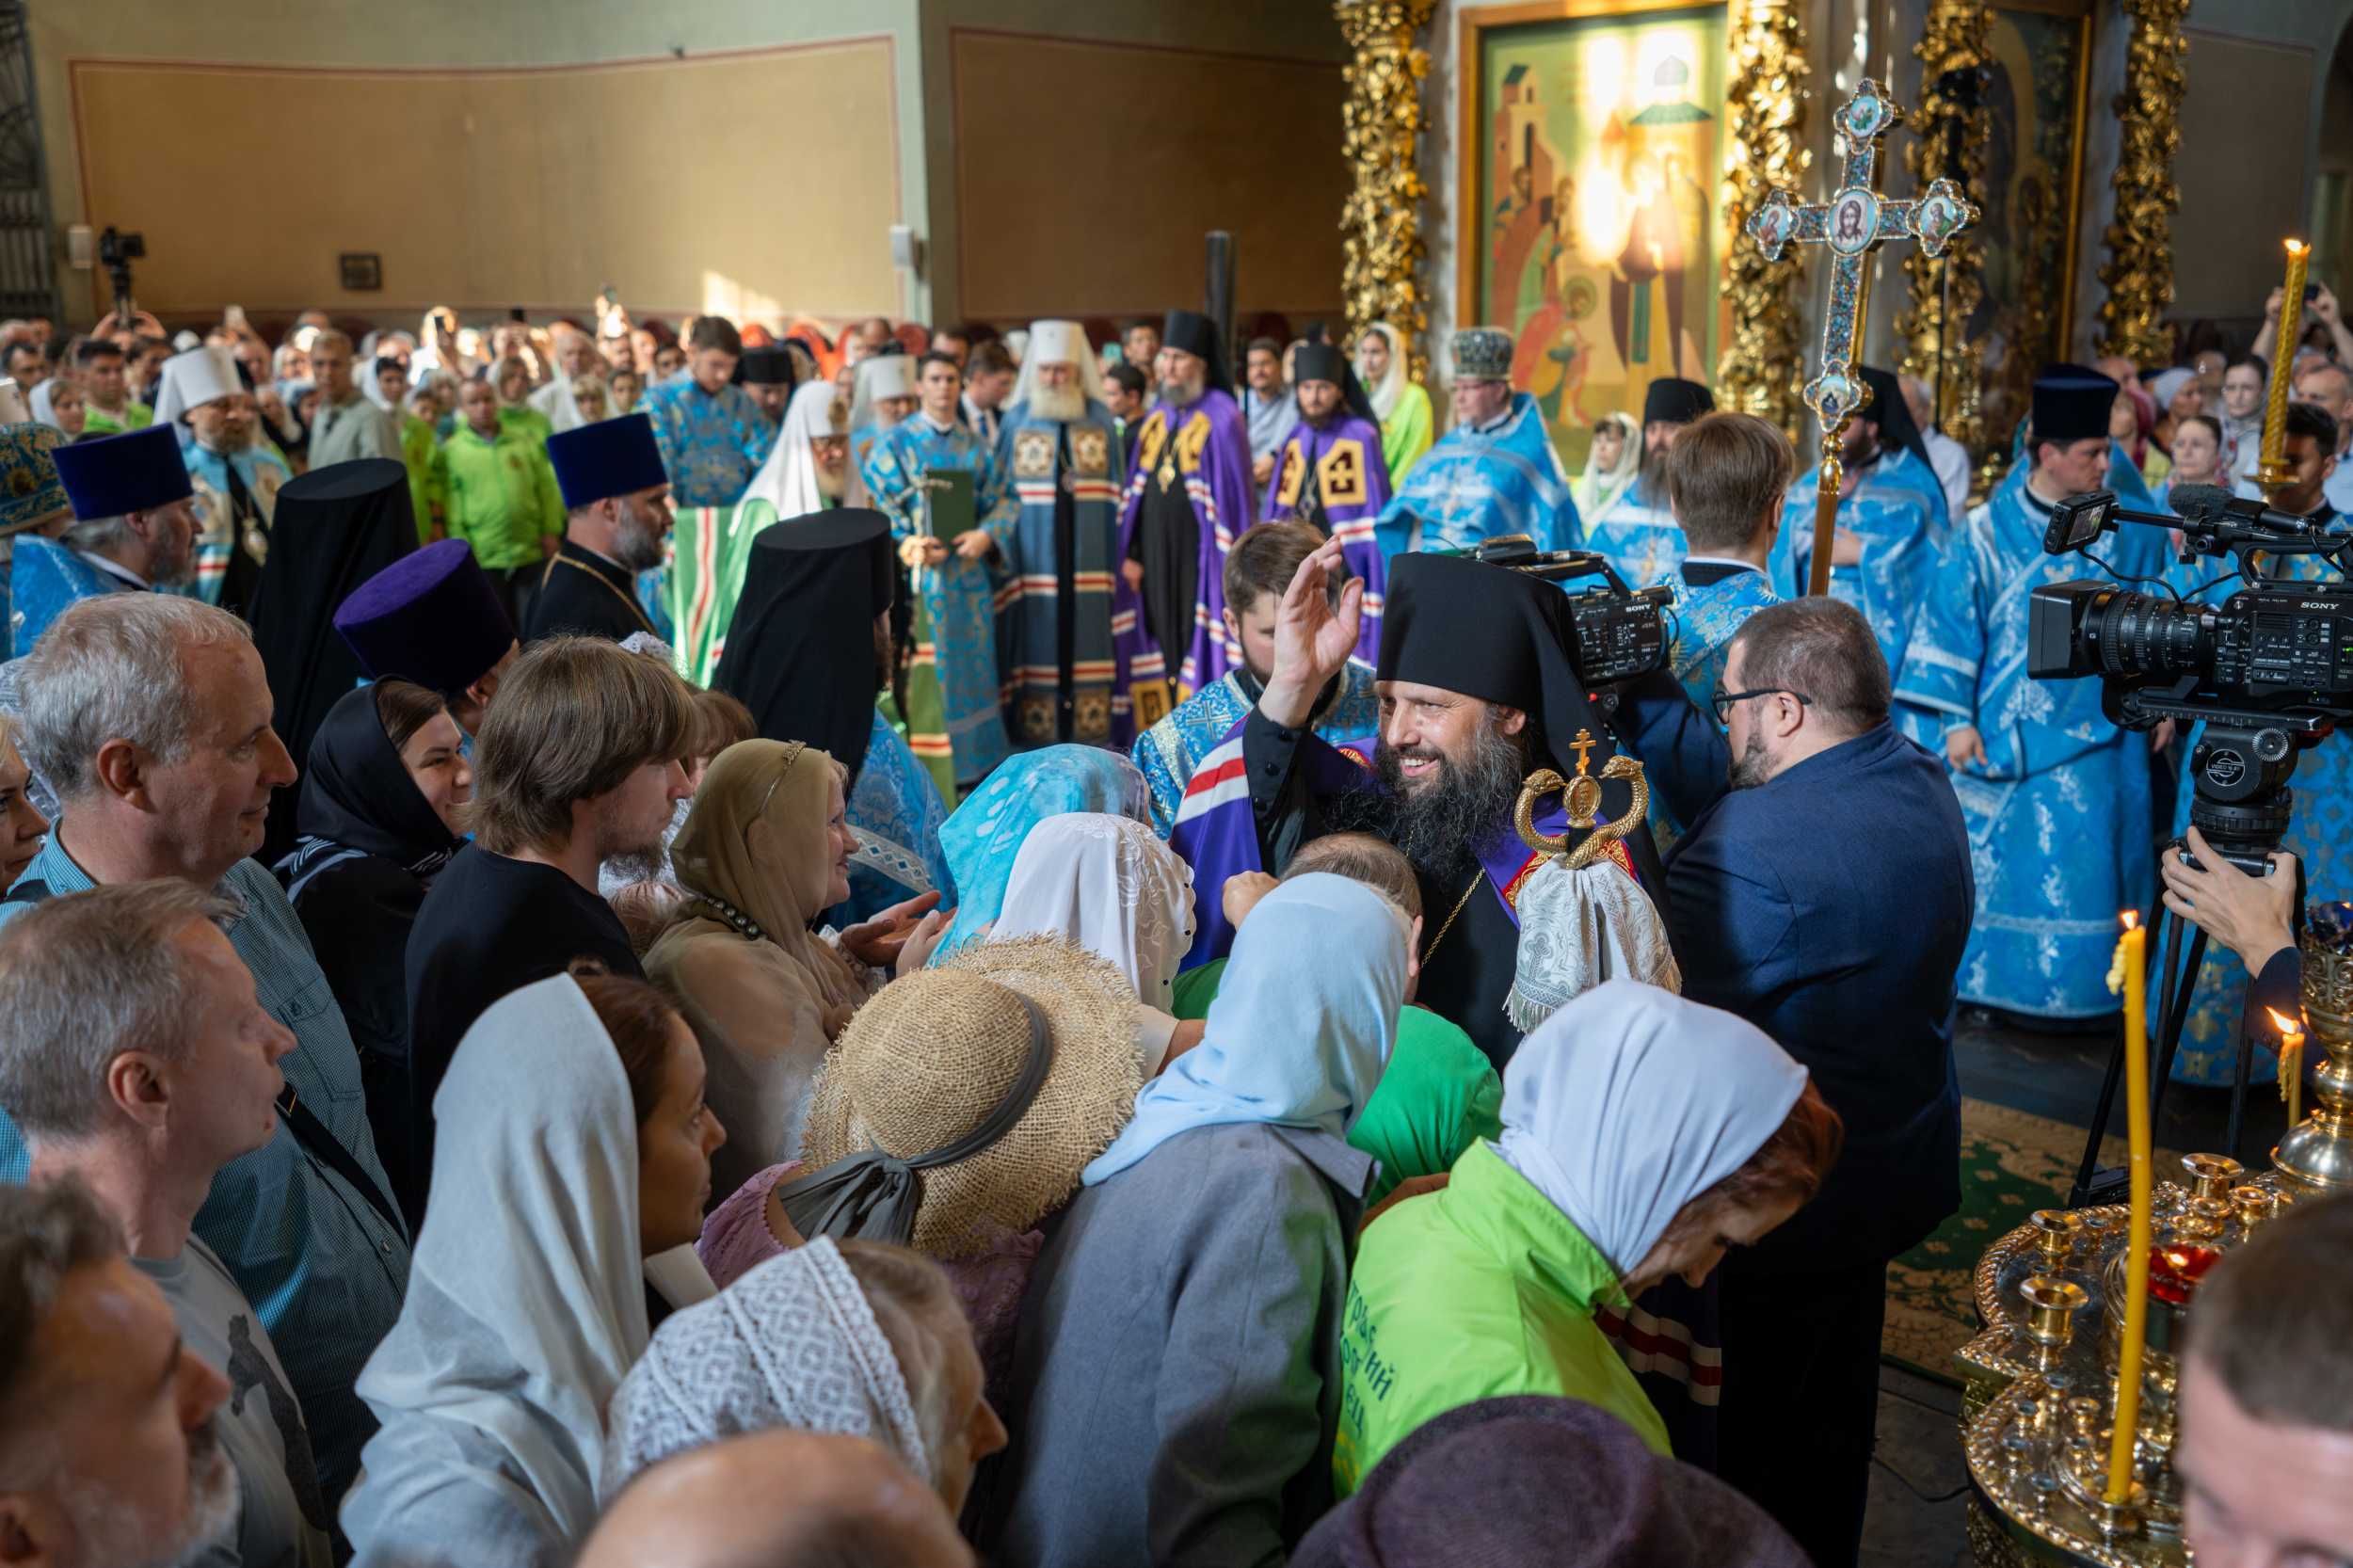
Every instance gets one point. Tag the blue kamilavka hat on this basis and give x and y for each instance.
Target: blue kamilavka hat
(612, 456)
(117, 475)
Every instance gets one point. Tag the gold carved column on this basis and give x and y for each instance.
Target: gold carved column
(1764, 363)
(1382, 121)
(2138, 273)
(1943, 293)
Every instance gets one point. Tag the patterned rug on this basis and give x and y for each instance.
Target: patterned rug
(2011, 1164)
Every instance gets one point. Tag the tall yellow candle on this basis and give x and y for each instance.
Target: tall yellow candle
(2282, 356)
(2131, 974)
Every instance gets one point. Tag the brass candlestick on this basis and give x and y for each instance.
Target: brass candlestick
(2317, 1155)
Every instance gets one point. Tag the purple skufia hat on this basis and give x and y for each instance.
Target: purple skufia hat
(1532, 1482)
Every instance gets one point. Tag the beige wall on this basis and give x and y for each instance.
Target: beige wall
(359, 98)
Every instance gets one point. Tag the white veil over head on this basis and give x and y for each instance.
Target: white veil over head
(1389, 387)
(1058, 342)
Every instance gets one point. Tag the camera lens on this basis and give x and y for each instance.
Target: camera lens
(2140, 634)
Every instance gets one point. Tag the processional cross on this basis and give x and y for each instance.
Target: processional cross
(1853, 223)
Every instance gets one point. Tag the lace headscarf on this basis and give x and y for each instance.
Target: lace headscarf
(792, 1345)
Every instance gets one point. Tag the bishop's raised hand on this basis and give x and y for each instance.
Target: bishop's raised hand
(1313, 637)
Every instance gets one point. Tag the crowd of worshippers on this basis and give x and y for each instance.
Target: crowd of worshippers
(962, 961)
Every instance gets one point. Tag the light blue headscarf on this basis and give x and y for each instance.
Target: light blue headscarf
(981, 837)
(1303, 1023)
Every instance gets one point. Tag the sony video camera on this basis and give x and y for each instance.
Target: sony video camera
(2268, 671)
(1619, 632)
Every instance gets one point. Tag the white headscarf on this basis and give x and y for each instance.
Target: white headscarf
(44, 405)
(526, 1302)
(14, 409)
(879, 377)
(1629, 1102)
(1391, 385)
(1111, 886)
(787, 480)
(1597, 490)
(1304, 1022)
(1058, 342)
(794, 1344)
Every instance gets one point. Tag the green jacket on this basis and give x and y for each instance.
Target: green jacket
(527, 421)
(499, 497)
(417, 454)
(1479, 1291)
(98, 422)
(1437, 1096)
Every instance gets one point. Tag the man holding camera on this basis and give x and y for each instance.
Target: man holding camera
(2055, 796)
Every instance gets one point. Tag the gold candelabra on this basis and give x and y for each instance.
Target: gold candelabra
(1763, 361)
(2317, 1155)
(2139, 274)
(1381, 124)
(1943, 293)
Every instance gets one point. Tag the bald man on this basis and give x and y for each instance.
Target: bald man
(778, 1500)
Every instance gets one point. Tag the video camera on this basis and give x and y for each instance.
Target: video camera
(1620, 632)
(116, 250)
(2269, 671)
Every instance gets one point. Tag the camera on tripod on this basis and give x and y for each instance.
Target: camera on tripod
(2269, 671)
(1617, 633)
(116, 250)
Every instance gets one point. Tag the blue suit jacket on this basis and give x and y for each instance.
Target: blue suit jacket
(1829, 907)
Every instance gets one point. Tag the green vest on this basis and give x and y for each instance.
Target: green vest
(1479, 1290)
(500, 497)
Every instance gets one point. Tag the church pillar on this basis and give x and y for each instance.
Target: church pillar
(1382, 124)
(1943, 292)
(2139, 274)
(1764, 363)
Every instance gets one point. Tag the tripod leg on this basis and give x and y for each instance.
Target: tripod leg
(2238, 1086)
(2176, 1013)
(2082, 1192)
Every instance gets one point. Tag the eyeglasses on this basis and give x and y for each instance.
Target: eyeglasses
(1723, 700)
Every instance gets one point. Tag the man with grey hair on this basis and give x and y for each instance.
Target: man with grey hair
(2331, 385)
(110, 1453)
(135, 529)
(140, 1089)
(149, 716)
(349, 424)
(1947, 458)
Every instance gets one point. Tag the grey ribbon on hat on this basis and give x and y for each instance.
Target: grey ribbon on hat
(872, 1196)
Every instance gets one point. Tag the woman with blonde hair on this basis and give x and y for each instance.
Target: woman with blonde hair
(764, 852)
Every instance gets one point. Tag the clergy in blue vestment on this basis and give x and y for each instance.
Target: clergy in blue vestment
(1892, 523)
(1638, 532)
(1495, 473)
(1256, 575)
(1057, 445)
(2056, 797)
(133, 529)
(2320, 828)
(1725, 477)
(31, 496)
(956, 580)
(713, 436)
(1330, 473)
(204, 398)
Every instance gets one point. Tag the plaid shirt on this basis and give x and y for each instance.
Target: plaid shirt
(319, 1264)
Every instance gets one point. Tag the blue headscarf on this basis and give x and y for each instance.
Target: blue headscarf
(1304, 1022)
(981, 837)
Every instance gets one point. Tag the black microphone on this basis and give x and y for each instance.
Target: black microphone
(2212, 504)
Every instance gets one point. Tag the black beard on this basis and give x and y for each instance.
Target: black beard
(1441, 824)
(1655, 477)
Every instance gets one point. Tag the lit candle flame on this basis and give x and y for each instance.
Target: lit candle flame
(2291, 1062)
(2130, 918)
(2284, 1024)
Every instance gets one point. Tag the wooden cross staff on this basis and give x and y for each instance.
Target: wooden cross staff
(1854, 222)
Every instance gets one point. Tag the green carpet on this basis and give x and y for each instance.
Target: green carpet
(2011, 1164)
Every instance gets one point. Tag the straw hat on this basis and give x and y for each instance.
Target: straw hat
(932, 1055)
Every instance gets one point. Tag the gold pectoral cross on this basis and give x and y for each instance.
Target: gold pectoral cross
(1583, 746)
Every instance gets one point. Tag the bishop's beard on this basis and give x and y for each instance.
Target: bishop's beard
(1059, 404)
(1655, 477)
(831, 483)
(1440, 823)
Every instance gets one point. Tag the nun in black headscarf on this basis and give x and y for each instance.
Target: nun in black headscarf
(377, 819)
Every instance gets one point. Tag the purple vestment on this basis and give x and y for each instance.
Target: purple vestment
(1209, 445)
(1336, 478)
